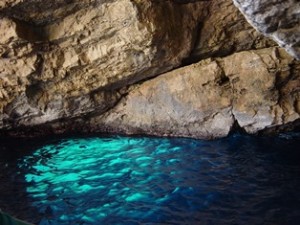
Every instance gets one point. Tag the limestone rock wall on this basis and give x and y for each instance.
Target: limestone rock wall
(225, 31)
(63, 60)
(204, 100)
(277, 19)
(117, 66)
(179, 103)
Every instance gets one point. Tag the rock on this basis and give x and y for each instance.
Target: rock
(276, 19)
(8, 3)
(63, 60)
(193, 101)
(204, 99)
(92, 65)
(225, 31)
(258, 79)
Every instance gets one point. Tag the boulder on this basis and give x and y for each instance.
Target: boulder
(204, 100)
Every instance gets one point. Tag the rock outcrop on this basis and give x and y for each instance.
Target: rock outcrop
(277, 19)
(193, 101)
(85, 65)
(257, 89)
(63, 60)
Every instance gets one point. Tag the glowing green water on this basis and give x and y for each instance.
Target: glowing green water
(89, 179)
(122, 180)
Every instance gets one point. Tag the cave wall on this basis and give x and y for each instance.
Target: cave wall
(277, 19)
(168, 68)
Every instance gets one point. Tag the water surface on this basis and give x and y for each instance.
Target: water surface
(143, 180)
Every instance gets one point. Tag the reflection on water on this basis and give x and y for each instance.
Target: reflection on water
(142, 180)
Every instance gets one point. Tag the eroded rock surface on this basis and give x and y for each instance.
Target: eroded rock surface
(63, 60)
(192, 101)
(85, 65)
(260, 80)
(225, 31)
(204, 100)
(277, 19)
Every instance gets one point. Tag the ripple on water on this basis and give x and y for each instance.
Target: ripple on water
(125, 180)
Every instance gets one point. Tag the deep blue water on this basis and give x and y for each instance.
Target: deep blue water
(143, 180)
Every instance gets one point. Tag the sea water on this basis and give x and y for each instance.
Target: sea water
(115, 180)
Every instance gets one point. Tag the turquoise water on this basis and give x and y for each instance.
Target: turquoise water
(142, 180)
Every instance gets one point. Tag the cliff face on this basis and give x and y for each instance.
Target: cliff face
(84, 65)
